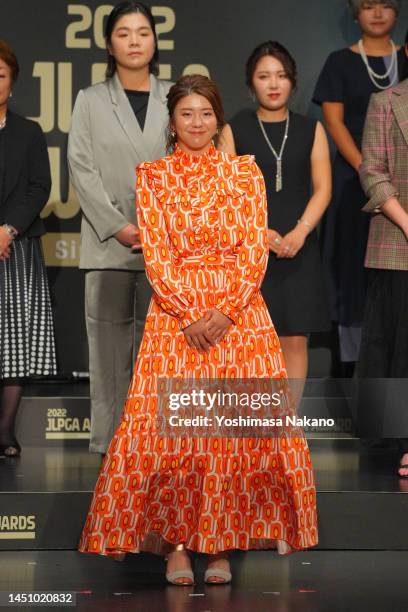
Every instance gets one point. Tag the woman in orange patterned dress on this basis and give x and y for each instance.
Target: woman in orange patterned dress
(202, 220)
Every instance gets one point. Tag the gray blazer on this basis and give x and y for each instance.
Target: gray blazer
(105, 146)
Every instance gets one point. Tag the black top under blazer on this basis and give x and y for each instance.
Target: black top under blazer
(26, 175)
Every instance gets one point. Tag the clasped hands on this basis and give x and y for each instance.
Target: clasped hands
(5, 242)
(207, 331)
(289, 245)
(129, 236)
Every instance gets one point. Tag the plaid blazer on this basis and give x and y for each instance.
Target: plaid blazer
(384, 173)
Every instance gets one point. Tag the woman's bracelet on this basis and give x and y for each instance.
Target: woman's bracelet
(12, 232)
(308, 225)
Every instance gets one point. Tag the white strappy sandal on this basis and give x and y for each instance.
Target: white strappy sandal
(173, 577)
(217, 572)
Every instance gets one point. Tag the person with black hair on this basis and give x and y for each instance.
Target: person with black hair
(116, 125)
(384, 344)
(293, 154)
(27, 344)
(343, 90)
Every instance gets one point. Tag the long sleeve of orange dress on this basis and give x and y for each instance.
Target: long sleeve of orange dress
(172, 295)
(252, 254)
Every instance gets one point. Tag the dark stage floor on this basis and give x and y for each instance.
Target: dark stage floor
(329, 581)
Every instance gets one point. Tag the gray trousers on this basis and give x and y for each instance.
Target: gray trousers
(116, 303)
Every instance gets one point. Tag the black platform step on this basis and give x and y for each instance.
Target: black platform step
(46, 493)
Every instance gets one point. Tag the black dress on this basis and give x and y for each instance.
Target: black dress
(293, 289)
(27, 344)
(345, 79)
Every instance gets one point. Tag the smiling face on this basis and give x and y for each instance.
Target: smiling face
(376, 20)
(271, 83)
(132, 42)
(195, 123)
(5, 82)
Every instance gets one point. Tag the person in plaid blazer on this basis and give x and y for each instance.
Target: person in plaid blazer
(384, 177)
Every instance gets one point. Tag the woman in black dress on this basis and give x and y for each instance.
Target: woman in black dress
(26, 327)
(344, 89)
(293, 154)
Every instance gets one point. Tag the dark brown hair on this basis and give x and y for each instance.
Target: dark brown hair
(194, 84)
(126, 8)
(279, 52)
(9, 57)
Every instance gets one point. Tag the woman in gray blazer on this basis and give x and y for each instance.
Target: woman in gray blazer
(115, 126)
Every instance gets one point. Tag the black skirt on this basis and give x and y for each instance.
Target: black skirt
(27, 344)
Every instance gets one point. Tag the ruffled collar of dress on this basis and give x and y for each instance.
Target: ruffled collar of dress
(188, 159)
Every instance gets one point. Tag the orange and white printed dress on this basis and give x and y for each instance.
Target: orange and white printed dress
(204, 235)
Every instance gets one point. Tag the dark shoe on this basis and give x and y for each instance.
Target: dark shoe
(10, 450)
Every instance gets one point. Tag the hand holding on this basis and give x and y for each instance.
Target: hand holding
(5, 241)
(198, 337)
(137, 246)
(274, 241)
(129, 236)
(217, 323)
(293, 241)
(5, 254)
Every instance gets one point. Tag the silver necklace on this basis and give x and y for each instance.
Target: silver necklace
(371, 73)
(3, 122)
(279, 180)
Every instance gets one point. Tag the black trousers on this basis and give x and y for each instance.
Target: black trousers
(384, 348)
